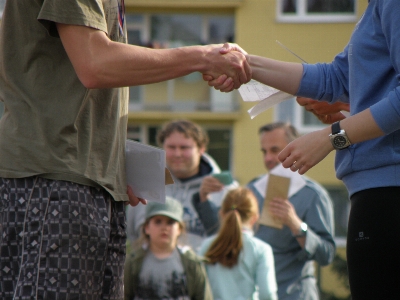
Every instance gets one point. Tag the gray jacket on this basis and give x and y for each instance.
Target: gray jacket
(182, 191)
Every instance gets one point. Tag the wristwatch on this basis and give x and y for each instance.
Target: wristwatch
(338, 137)
(302, 231)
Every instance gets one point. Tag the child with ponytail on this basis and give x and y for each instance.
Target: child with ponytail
(239, 266)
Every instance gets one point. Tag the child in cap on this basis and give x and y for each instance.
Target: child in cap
(239, 266)
(159, 268)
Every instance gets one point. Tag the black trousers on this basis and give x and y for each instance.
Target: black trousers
(373, 244)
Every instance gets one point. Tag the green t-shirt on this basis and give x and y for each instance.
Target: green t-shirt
(52, 125)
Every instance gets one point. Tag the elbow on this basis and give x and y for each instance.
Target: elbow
(91, 76)
(89, 83)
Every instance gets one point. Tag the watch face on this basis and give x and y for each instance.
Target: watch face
(340, 141)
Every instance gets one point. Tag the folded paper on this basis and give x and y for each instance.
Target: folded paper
(146, 171)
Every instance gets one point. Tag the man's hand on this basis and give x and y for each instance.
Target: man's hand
(209, 185)
(228, 47)
(283, 210)
(133, 200)
(325, 112)
(224, 82)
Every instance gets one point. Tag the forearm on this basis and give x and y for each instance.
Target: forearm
(133, 65)
(310, 149)
(102, 63)
(361, 127)
(284, 76)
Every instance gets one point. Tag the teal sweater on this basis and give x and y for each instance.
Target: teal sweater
(255, 270)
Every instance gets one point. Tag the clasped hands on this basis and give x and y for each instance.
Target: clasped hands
(237, 73)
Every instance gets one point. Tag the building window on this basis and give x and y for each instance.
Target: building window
(316, 11)
(187, 93)
(2, 4)
(291, 111)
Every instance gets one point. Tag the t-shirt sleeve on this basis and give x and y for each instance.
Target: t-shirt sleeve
(88, 13)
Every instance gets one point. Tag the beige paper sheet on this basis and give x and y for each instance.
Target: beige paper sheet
(277, 186)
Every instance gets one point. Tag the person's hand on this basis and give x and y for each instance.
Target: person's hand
(133, 200)
(222, 83)
(306, 151)
(225, 82)
(325, 112)
(228, 47)
(209, 185)
(283, 210)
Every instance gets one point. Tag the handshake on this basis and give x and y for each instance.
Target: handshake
(227, 67)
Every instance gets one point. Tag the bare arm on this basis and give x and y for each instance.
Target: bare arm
(284, 76)
(102, 63)
(308, 150)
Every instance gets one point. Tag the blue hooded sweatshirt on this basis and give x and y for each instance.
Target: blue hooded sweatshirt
(366, 75)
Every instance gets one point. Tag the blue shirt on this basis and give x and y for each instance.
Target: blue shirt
(366, 74)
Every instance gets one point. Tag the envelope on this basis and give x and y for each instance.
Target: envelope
(278, 186)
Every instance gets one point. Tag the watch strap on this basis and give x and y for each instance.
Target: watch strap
(302, 231)
(335, 128)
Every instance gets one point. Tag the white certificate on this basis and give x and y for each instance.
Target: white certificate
(146, 171)
(265, 95)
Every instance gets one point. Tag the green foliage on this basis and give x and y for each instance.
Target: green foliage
(339, 266)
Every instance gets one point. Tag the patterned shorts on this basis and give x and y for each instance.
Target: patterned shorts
(60, 240)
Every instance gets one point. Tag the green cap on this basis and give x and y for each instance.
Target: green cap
(172, 208)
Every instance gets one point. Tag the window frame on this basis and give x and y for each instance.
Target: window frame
(295, 115)
(301, 16)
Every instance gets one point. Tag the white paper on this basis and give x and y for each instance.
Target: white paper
(145, 171)
(297, 182)
(256, 91)
(345, 113)
(218, 197)
(266, 95)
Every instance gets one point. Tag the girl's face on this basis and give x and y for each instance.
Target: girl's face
(163, 232)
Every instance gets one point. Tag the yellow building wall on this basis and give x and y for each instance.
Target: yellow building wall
(330, 281)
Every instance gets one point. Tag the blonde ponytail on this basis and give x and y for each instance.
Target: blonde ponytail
(238, 206)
